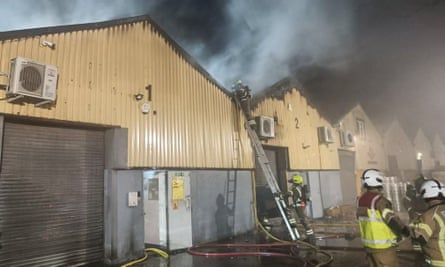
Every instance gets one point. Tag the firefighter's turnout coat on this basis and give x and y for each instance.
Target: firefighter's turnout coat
(431, 227)
(375, 213)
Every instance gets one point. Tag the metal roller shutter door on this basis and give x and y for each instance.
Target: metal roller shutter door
(51, 196)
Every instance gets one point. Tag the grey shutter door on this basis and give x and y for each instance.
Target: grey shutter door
(347, 177)
(51, 196)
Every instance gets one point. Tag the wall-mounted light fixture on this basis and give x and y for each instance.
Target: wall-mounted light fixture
(138, 97)
(419, 162)
(49, 44)
(419, 156)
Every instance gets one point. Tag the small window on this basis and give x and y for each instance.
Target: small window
(361, 128)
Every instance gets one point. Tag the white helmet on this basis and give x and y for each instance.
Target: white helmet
(372, 178)
(432, 188)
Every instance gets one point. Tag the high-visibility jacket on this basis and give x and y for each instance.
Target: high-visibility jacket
(431, 226)
(374, 212)
(298, 196)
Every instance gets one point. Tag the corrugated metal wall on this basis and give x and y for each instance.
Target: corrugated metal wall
(297, 129)
(192, 122)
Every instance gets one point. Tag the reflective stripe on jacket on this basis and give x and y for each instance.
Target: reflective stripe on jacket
(431, 226)
(374, 231)
(434, 263)
(298, 196)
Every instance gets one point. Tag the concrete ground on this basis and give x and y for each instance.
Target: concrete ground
(339, 239)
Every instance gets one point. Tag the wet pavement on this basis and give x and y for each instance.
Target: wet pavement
(338, 240)
(341, 258)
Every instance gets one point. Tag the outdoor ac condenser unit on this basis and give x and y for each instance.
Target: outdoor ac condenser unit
(325, 135)
(265, 126)
(32, 79)
(347, 138)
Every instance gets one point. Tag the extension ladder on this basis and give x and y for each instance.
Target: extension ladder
(264, 163)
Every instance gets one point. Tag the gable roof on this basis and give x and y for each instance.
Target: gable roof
(277, 90)
(332, 112)
(27, 33)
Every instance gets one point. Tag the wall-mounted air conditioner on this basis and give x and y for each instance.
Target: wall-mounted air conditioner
(32, 79)
(325, 135)
(265, 127)
(347, 138)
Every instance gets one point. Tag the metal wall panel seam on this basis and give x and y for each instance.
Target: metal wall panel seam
(139, 54)
(208, 142)
(226, 129)
(173, 108)
(77, 77)
(199, 127)
(182, 111)
(150, 70)
(221, 128)
(60, 109)
(5, 57)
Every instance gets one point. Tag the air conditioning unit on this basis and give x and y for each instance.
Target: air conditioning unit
(325, 135)
(265, 127)
(32, 79)
(347, 138)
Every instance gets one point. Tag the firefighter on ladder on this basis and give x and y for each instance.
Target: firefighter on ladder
(299, 198)
(242, 93)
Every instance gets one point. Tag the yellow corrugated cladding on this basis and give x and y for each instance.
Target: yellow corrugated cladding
(296, 129)
(191, 123)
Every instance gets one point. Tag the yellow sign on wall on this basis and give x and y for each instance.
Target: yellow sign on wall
(178, 188)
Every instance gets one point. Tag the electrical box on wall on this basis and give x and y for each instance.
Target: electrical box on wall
(133, 199)
(325, 135)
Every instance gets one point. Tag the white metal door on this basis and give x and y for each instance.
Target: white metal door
(179, 210)
(155, 208)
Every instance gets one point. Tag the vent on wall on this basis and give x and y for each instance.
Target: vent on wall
(325, 135)
(347, 138)
(265, 127)
(32, 79)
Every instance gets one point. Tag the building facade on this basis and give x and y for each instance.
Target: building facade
(133, 123)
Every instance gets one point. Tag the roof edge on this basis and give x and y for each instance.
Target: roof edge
(26, 33)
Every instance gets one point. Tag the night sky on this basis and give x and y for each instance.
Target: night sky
(387, 55)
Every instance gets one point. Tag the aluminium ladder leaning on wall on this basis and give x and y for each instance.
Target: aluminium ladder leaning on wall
(264, 163)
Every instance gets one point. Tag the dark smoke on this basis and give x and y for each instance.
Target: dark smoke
(385, 54)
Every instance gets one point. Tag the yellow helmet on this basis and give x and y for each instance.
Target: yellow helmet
(297, 179)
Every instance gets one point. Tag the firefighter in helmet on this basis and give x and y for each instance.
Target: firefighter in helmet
(380, 227)
(242, 92)
(413, 201)
(300, 196)
(428, 229)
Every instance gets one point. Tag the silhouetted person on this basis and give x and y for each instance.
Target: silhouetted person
(222, 217)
